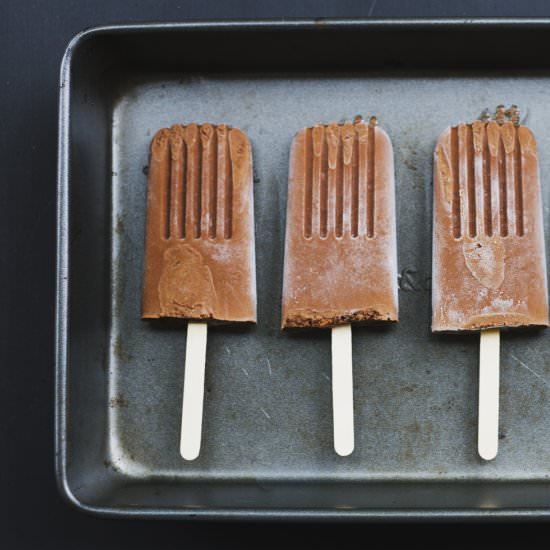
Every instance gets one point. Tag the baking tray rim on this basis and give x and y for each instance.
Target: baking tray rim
(62, 278)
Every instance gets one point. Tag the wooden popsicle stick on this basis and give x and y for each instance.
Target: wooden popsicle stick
(342, 390)
(193, 391)
(489, 358)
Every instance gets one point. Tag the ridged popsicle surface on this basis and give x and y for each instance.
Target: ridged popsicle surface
(199, 246)
(489, 267)
(340, 252)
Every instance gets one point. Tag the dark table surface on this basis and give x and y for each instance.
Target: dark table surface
(33, 36)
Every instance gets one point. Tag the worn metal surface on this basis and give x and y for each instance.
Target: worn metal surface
(267, 444)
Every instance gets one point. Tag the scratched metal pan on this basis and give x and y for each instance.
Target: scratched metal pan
(267, 448)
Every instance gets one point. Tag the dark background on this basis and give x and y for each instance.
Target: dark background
(33, 36)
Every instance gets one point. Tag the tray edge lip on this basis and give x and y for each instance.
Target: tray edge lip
(62, 277)
(321, 23)
(62, 274)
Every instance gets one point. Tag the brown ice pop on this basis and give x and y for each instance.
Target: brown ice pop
(199, 250)
(489, 266)
(199, 247)
(340, 255)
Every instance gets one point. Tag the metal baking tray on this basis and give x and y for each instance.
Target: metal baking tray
(267, 446)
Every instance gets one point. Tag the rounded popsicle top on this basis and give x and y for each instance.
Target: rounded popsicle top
(333, 132)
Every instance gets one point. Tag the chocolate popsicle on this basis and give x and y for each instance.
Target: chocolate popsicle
(199, 248)
(489, 266)
(340, 254)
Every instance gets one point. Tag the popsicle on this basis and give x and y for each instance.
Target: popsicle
(489, 266)
(340, 254)
(199, 245)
